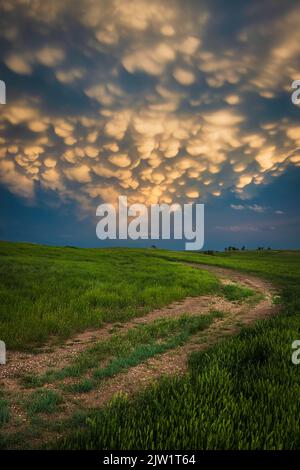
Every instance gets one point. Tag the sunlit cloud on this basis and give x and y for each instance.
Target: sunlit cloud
(147, 100)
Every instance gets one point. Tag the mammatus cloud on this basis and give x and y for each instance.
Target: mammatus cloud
(146, 99)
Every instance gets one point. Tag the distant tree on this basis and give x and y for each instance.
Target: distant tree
(153, 246)
(208, 252)
(243, 248)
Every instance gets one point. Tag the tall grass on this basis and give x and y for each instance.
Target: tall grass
(49, 291)
(43, 401)
(243, 393)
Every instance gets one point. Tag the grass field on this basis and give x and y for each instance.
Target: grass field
(48, 291)
(242, 393)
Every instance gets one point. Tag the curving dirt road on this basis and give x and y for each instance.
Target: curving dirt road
(22, 362)
(236, 314)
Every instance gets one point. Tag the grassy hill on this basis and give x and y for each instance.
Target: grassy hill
(46, 291)
(242, 393)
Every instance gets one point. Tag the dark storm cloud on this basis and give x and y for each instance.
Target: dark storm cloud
(164, 101)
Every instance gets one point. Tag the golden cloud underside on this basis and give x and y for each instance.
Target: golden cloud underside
(173, 141)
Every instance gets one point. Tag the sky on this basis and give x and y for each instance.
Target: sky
(163, 102)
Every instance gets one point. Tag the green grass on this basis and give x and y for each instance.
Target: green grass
(127, 349)
(232, 399)
(55, 292)
(236, 292)
(187, 326)
(43, 401)
(243, 393)
(84, 386)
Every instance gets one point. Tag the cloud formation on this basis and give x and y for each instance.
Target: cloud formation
(147, 100)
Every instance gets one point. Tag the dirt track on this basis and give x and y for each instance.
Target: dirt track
(236, 314)
(51, 356)
(175, 361)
